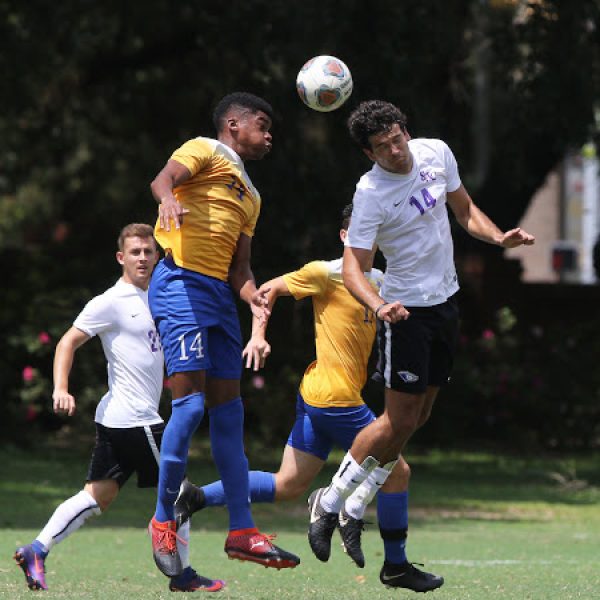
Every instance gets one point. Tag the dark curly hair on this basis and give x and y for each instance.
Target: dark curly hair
(373, 117)
(239, 100)
(346, 214)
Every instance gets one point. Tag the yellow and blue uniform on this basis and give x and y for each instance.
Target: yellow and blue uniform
(330, 408)
(222, 204)
(189, 296)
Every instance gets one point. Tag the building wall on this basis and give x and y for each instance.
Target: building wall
(541, 219)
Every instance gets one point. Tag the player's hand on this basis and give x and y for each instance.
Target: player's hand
(256, 352)
(169, 209)
(63, 402)
(259, 304)
(517, 237)
(393, 312)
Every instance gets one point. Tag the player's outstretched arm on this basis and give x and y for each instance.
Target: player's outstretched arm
(258, 349)
(171, 175)
(63, 362)
(480, 226)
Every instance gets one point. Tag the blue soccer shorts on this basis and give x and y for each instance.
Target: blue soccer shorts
(196, 318)
(316, 430)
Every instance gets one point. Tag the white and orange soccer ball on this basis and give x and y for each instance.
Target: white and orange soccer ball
(324, 83)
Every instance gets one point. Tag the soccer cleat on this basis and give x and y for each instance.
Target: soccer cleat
(190, 581)
(253, 546)
(350, 530)
(164, 547)
(406, 575)
(321, 527)
(33, 567)
(190, 499)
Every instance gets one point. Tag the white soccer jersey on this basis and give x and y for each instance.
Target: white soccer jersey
(406, 216)
(121, 318)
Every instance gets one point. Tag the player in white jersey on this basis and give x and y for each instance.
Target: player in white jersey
(400, 205)
(128, 426)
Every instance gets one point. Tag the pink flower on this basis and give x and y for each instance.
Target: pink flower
(43, 337)
(488, 334)
(28, 373)
(258, 381)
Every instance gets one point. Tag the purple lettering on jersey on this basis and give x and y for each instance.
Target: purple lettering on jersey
(238, 188)
(428, 199)
(154, 340)
(417, 204)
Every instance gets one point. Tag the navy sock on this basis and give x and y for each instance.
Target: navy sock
(392, 514)
(184, 577)
(262, 489)
(185, 417)
(39, 548)
(227, 442)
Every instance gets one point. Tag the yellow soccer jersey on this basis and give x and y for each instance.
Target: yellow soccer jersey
(222, 202)
(344, 333)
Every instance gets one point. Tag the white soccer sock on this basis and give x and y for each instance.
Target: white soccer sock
(184, 548)
(68, 517)
(348, 477)
(357, 503)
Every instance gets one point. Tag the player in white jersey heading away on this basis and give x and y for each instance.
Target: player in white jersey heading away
(128, 426)
(400, 205)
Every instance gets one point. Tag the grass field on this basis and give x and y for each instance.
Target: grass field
(496, 527)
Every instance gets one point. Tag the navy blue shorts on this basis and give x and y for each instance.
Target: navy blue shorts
(196, 318)
(317, 429)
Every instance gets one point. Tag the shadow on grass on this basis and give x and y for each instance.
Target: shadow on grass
(445, 485)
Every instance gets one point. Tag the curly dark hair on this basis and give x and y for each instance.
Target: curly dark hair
(373, 117)
(239, 100)
(346, 214)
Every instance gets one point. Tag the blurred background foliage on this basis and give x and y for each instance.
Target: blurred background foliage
(96, 95)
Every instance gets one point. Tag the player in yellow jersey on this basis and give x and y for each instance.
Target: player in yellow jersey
(329, 409)
(208, 208)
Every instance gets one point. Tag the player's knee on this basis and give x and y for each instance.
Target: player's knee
(289, 489)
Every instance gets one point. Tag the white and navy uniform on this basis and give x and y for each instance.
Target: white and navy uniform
(406, 216)
(128, 425)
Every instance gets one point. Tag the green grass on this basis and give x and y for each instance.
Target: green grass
(496, 527)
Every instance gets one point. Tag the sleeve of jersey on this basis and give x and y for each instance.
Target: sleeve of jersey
(451, 166)
(96, 317)
(194, 154)
(310, 280)
(367, 217)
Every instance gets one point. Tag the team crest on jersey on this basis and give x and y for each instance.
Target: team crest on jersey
(427, 175)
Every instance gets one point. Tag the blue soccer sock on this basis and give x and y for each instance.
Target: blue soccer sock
(227, 443)
(392, 514)
(262, 489)
(186, 415)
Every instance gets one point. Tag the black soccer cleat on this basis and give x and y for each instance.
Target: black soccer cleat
(351, 530)
(190, 500)
(321, 527)
(406, 575)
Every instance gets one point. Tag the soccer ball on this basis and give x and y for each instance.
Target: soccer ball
(324, 83)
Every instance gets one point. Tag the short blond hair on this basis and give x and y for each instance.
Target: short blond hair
(141, 230)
